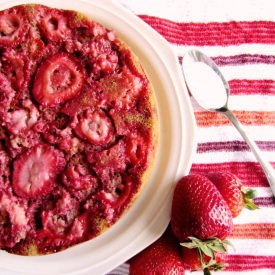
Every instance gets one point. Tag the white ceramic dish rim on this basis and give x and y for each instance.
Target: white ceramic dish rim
(148, 217)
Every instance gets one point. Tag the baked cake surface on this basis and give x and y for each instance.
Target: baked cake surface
(77, 129)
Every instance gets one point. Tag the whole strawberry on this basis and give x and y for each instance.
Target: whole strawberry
(234, 193)
(199, 210)
(160, 258)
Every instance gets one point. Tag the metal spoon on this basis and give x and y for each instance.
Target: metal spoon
(211, 91)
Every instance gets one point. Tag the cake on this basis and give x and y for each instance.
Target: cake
(78, 129)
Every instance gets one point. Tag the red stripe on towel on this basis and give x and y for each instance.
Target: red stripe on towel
(250, 87)
(248, 262)
(233, 146)
(209, 119)
(253, 231)
(213, 33)
(244, 59)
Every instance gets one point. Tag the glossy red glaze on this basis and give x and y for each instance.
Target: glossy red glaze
(75, 128)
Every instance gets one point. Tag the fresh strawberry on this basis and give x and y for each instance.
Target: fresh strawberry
(57, 80)
(234, 193)
(160, 258)
(95, 127)
(199, 210)
(35, 171)
(204, 255)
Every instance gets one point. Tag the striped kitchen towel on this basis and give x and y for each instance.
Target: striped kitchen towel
(240, 37)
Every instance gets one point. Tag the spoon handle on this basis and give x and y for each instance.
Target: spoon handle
(268, 169)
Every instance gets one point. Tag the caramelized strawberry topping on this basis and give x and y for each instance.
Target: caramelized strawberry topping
(75, 128)
(54, 26)
(13, 26)
(34, 172)
(96, 127)
(57, 80)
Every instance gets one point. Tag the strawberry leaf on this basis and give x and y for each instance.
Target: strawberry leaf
(228, 243)
(189, 245)
(248, 196)
(249, 193)
(217, 247)
(207, 248)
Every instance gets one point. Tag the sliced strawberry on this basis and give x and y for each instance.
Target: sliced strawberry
(57, 80)
(6, 95)
(110, 166)
(57, 221)
(112, 203)
(54, 25)
(78, 174)
(13, 26)
(88, 98)
(22, 118)
(34, 47)
(82, 25)
(79, 229)
(128, 122)
(100, 45)
(16, 121)
(113, 158)
(16, 67)
(24, 140)
(5, 161)
(35, 171)
(95, 127)
(63, 229)
(105, 64)
(57, 129)
(13, 220)
(138, 146)
(121, 89)
(84, 33)
(124, 191)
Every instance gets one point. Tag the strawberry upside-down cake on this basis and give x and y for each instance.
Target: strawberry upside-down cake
(77, 129)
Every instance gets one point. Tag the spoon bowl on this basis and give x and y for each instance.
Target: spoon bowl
(205, 81)
(210, 89)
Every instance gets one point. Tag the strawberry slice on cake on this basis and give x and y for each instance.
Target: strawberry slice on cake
(34, 172)
(57, 80)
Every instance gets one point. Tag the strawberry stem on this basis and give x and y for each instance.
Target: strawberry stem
(207, 248)
(206, 271)
(248, 196)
